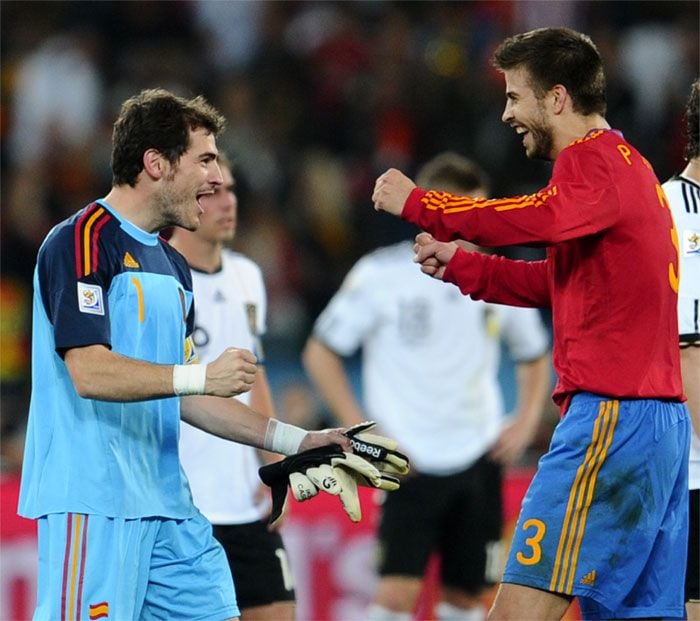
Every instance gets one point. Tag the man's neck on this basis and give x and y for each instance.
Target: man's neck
(132, 206)
(575, 127)
(692, 170)
(201, 254)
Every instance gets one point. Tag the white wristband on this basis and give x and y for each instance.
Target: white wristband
(283, 438)
(189, 379)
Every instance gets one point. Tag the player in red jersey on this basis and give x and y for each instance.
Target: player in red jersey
(605, 518)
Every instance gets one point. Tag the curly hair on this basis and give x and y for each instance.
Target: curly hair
(157, 119)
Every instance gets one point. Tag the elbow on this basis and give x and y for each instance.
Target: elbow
(84, 391)
(82, 374)
(83, 384)
(541, 364)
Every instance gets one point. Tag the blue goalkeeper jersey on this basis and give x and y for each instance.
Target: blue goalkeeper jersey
(101, 280)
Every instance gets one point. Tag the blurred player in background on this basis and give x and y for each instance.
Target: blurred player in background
(223, 476)
(605, 518)
(430, 361)
(683, 193)
(113, 371)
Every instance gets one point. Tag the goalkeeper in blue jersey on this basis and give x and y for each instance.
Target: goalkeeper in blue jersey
(114, 370)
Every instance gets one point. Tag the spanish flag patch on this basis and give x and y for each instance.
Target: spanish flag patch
(99, 611)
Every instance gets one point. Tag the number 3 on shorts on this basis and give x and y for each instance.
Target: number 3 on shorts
(532, 542)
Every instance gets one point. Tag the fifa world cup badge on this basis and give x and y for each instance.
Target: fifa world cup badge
(90, 299)
(691, 243)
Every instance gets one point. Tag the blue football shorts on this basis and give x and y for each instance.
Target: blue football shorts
(606, 515)
(95, 567)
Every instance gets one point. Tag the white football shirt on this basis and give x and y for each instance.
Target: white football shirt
(684, 197)
(430, 356)
(230, 307)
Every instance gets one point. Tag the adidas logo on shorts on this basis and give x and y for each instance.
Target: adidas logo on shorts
(589, 578)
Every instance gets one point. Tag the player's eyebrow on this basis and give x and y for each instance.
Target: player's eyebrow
(208, 156)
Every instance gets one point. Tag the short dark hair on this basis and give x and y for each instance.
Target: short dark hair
(558, 56)
(452, 170)
(692, 112)
(157, 119)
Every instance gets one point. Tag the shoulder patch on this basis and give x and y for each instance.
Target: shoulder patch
(90, 299)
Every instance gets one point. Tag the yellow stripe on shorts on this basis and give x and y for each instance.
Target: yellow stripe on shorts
(580, 498)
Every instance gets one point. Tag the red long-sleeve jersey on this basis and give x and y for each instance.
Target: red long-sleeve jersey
(611, 270)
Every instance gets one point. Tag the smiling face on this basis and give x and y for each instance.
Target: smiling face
(185, 183)
(528, 115)
(218, 222)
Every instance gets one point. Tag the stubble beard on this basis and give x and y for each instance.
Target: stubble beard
(542, 140)
(174, 208)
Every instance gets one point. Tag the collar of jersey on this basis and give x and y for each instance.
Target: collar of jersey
(150, 239)
(692, 182)
(604, 129)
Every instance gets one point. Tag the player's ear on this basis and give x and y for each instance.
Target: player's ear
(154, 163)
(559, 96)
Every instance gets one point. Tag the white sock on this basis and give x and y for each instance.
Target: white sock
(378, 613)
(448, 612)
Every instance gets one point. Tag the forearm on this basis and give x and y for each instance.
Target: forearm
(533, 387)
(327, 373)
(563, 210)
(486, 222)
(226, 418)
(520, 430)
(499, 280)
(99, 373)
(232, 420)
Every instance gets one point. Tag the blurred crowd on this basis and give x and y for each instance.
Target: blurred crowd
(320, 97)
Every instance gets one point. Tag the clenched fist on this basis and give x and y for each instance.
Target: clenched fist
(391, 191)
(232, 373)
(433, 255)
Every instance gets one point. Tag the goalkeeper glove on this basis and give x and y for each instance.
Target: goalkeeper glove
(379, 450)
(325, 468)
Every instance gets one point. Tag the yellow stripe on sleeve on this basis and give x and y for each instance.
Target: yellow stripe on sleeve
(451, 203)
(87, 233)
